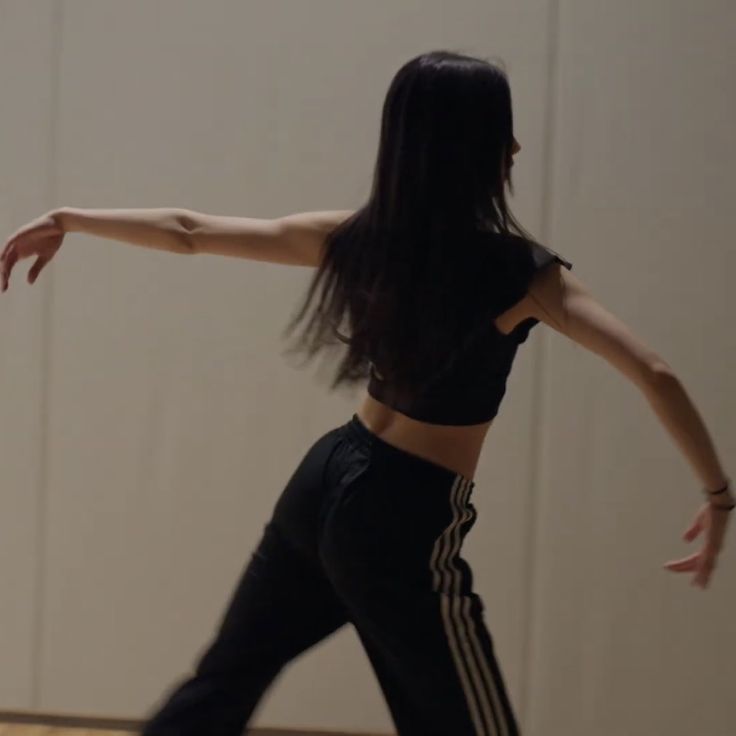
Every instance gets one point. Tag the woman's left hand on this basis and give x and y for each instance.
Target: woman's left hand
(41, 237)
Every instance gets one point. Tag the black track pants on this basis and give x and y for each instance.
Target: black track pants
(367, 534)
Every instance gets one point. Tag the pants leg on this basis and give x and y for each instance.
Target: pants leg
(391, 548)
(282, 605)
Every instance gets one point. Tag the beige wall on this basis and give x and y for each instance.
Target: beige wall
(150, 421)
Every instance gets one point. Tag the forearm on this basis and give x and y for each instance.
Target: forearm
(158, 228)
(670, 401)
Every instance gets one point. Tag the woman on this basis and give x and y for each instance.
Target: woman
(437, 285)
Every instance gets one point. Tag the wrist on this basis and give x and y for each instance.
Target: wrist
(66, 217)
(722, 496)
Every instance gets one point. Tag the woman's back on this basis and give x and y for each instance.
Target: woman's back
(425, 427)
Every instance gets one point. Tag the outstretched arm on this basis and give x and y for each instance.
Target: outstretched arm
(295, 239)
(564, 303)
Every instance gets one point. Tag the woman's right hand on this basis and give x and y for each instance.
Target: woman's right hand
(713, 521)
(41, 237)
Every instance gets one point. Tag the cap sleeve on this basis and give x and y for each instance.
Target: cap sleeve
(542, 256)
(519, 261)
(535, 258)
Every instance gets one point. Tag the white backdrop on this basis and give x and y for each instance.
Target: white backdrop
(150, 420)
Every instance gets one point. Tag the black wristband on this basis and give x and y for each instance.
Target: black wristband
(723, 508)
(720, 490)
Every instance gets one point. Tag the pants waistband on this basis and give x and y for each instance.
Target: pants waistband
(363, 435)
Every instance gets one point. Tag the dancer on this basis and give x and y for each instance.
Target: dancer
(429, 289)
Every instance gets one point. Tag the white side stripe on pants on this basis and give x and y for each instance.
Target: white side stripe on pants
(479, 687)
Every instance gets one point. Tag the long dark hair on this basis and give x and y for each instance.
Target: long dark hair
(391, 272)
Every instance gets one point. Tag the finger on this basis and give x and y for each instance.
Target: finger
(693, 530)
(684, 565)
(35, 269)
(9, 243)
(7, 268)
(679, 567)
(6, 252)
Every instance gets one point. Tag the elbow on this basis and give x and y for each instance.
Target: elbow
(658, 372)
(185, 231)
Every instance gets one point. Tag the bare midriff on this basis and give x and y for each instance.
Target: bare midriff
(454, 447)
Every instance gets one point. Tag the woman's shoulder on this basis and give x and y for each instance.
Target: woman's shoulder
(525, 255)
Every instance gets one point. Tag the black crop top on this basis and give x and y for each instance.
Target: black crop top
(472, 391)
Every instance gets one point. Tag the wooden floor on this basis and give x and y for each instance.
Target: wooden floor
(23, 729)
(24, 723)
(26, 729)
(15, 729)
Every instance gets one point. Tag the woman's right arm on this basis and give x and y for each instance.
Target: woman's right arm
(297, 239)
(559, 299)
